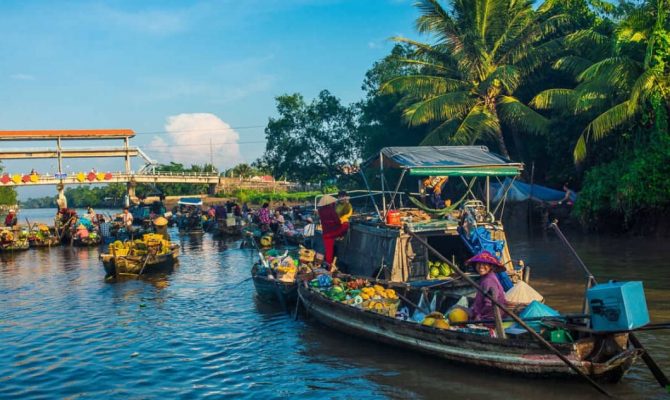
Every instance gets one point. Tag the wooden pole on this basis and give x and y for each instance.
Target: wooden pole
(661, 378)
(509, 312)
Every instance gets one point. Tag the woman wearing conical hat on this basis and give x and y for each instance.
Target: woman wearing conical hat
(331, 225)
(486, 265)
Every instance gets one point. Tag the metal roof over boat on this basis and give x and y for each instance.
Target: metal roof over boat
(446, 161)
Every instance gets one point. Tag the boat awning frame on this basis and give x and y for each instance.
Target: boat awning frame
(445, 161)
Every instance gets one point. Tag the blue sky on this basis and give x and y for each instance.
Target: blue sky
(181, 71)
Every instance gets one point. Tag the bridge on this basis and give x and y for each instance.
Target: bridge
(146, 174)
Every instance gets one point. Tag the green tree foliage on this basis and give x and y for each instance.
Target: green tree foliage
(95, 196)
(176, 189)
(465, 80)
(7, 194)
(617, 72)
(311, 142)
(243, 170)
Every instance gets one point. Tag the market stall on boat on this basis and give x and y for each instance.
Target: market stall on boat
(375, 244)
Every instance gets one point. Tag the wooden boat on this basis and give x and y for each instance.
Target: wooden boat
(91, 241)
(226, 228)
(44, 241)
(392, 244)
(603, 357)
(13, 241)
(140, 264)
(16, 245)
(270, 288)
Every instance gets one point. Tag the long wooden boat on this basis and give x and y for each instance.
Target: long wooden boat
(48, 241)
(16, 245)
(150, 263)
(604, 357)
(90, 241)
(269, 288)
(222, 229)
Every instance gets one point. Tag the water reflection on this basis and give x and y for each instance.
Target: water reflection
(201, 331)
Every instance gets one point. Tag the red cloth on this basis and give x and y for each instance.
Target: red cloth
(329, 241)
(330, 221)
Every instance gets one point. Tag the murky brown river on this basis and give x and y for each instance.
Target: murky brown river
(201, 332)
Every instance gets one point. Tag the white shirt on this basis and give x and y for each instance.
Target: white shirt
(308, 231)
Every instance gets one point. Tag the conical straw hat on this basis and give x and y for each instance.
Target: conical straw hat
(325, 200)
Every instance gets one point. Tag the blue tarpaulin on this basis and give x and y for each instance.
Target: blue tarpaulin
(520, 191)
(479, 240)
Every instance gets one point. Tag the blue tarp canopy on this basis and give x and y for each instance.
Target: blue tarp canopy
(520, 191)
(190, 201)
(446, 161)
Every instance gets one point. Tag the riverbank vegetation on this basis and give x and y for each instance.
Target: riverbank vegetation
(260, 197)
(577, 90)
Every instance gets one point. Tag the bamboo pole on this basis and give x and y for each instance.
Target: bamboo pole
(661, 378)
(509, 312)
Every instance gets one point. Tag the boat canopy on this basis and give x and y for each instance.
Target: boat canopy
(446, 161)
(516, 191)
(190, 201)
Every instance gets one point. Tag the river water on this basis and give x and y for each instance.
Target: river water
(201, 332)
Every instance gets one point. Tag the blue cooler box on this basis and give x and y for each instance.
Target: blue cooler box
(617, 306)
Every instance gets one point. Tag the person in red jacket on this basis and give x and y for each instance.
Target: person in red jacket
(331, 226)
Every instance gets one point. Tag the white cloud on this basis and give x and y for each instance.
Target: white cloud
(188, 141)
(22, 77)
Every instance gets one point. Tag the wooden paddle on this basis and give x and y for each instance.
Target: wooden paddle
(661, 378)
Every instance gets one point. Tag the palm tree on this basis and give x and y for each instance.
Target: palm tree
(464, 82)
(616, 87)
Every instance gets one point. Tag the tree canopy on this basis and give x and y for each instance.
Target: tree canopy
(311, 142)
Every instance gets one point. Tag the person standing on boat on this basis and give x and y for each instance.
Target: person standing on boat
(160, 225)
(10, 219)
(331, 225)
(127, 218)
(486, 264)
(264, 217)
(343, 208)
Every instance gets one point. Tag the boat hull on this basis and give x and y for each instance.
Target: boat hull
(509, 355)
(136, 265)
(274, 290)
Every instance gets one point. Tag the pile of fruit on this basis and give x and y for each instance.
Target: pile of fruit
(439, 270)
(457, 315)
(358, 293)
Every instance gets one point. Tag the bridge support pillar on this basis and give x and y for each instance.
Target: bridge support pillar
(131, 192)
(212, 189)
(61, 200)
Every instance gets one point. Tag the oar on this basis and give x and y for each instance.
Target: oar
(509, 312)
(661, 378)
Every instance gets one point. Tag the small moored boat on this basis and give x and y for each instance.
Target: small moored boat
(147, 256)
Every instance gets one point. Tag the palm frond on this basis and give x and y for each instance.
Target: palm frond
(615, 71)
(611, 119)
(427, 64)
(439, 108)
(517, 114)
(579, 153)
(421, 86)
(556, 99)
(645, 85)
(442, 134)
(478, 123)
(573, 65)
(506, 75)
